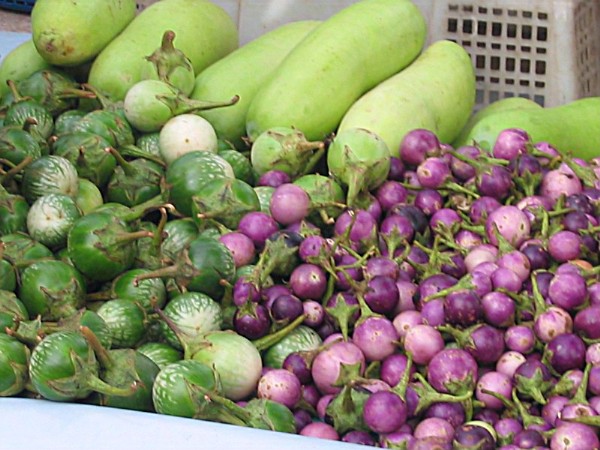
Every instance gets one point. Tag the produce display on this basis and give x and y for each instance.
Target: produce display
(312, 233)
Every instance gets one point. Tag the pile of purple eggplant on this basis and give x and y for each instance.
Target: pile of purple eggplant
(457, 301)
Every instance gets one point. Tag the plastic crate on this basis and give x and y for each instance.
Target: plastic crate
(17, 5)
(545, 50)
(256, 17)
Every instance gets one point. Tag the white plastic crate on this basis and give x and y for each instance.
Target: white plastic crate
(546, 50)
(231, 6)
(256, 17)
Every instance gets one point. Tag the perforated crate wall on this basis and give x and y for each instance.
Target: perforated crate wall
(546, 50)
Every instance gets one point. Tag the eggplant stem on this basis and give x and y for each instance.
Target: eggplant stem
(101, 353)
(181, 105)
(99, 296)
(273, 338)
(15, 169)
(163, 272)
(12, 85)
(96, 384)
(136, 152)
(402, 385)
(134, 235)
(129, 169)
(158, 234)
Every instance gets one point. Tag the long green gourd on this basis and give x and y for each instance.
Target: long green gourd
(436, 92)
(242, 73)
(505, 104)
(203, 31)
(573, 127)
(71, 32)
(345, 56)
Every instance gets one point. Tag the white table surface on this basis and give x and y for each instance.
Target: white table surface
(42, 424)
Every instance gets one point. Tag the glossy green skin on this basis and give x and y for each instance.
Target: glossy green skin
(19, 63)
(88, 197)
(53, 369)
(212, 262)
(149, 142)
(264, 194)
(129, 366)
(11, 309)
(505, 104)
(8, 276)
(173, 392)
(47, 175)
(437, 92)
(231, 355)
(86, 318)
(144, 108)
(224, 79)
(126, 321)
(573, 127)
(194, 314)
(16, 144)
(285, 149)
(14, 361)
(52, 289)
(108, 124)
(50, 218)
(19, 112)
(113, 208)
(118, 66)
(187, 174)
(242, 168)
(225, 200)
(133, 189)
(149, 293)
(13, 213)
(358, 159)
(270, 415)
(69, 33)
(86, 152)
(22, 250)
(147, 255)
(65, 122)
(96, 247)
(344, 57)
(162, 354)
(47, 86)
(301, 338)
(179, 233)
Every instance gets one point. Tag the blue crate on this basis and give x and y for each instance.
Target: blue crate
(17, 5)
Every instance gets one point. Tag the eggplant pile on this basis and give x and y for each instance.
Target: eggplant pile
(444, 298)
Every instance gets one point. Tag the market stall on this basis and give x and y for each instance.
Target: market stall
(289, 223)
